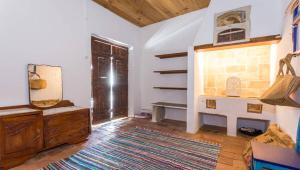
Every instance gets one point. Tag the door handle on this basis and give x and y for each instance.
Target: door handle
(103, 77)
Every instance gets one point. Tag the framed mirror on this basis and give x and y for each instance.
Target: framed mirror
(45, 85)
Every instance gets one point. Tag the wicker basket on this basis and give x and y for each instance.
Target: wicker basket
(38, 84)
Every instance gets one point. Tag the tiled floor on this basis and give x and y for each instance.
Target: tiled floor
(230, 156)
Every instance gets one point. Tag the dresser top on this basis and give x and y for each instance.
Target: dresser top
(276, 155)
(7, 112)
(58, 110)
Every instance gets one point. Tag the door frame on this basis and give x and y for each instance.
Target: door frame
(112, 43)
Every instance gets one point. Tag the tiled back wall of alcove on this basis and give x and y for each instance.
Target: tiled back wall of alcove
(250, 64)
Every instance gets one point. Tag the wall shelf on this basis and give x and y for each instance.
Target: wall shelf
(171, 72)
(159, 108)
(173, 55)
(171, 88)
(267, 40)
(170, 105)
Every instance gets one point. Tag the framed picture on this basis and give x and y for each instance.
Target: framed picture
(254, 108)
(211, 104)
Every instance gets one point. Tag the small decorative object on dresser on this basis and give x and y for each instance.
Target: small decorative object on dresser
(21, 135)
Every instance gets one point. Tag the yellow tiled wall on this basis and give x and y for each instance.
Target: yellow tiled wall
(250, 64)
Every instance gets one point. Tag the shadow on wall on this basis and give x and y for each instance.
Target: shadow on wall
(172, 29)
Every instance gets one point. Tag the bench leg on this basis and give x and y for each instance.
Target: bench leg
(158, 114)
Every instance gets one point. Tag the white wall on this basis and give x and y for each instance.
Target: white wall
(194, 90)
(264, 18)
(56, 32)
(170, 36)
(42, 32)
(288, 117)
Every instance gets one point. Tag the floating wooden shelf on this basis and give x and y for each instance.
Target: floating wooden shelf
(174, 55)
(267, 40)
(171, 88)
(171, 71)
(170, 105)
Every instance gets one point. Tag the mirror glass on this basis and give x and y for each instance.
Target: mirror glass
(45, 85)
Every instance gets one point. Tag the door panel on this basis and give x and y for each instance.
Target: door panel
(102, 86)
(100, 77)
(120, 89)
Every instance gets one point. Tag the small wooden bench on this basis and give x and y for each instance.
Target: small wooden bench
(159, 108)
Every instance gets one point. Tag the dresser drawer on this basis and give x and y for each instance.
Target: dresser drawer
(67, 127)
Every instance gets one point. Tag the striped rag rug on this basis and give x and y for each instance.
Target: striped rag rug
(142, 149)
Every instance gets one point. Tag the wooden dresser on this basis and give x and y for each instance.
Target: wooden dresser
(21, 135)
(25, 131)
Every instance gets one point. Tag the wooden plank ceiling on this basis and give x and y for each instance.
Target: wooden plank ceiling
(146, 12)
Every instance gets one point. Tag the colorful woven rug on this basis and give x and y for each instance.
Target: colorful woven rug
(143, 149)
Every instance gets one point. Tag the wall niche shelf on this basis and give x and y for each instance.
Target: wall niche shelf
(258, 41)
(159, 108)
(172, 55)
(170, 105)
(171, 88)
(171, 72)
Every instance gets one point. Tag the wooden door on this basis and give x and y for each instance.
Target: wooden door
(101, 53)
(120, 89)
(107, 57)
(20, 137)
